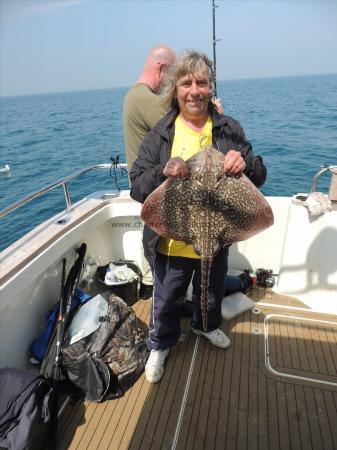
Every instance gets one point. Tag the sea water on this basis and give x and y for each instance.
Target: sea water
(291, 122)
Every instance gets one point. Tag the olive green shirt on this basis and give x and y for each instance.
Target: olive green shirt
(142, 110)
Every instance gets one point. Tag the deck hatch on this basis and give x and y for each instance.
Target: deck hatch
(301, 348)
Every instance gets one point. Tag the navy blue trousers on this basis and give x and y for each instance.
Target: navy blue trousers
(172, 276)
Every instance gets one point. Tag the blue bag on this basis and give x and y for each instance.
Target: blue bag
(39, 346)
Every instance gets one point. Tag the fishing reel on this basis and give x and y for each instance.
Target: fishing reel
(265, 278)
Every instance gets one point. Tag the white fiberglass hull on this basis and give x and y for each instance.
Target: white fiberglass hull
(303, 252)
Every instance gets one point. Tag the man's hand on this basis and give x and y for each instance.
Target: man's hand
(176, 167)
(234, 164)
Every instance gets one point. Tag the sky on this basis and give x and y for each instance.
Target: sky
(70, 45)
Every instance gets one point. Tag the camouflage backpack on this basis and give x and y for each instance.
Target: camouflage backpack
(107, 361)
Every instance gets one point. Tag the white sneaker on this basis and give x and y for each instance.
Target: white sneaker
(154, 368)
(216, 337)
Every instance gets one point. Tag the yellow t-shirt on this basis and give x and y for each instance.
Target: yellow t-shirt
(186, 143)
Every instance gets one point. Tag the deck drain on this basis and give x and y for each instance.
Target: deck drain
(256, 311)
(256, 331)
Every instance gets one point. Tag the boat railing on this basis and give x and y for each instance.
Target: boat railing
(63, 182)
(333, 183)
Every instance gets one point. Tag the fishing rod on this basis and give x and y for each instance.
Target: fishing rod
(68, 289)
(214, 47)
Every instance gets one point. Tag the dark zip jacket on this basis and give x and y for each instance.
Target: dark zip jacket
(147, 171)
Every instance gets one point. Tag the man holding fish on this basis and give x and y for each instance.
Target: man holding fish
(191, 124)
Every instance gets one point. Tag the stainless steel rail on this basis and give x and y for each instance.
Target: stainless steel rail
(331, 169)
(63, 182)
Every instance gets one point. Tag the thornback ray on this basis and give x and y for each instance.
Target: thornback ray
(208, 210)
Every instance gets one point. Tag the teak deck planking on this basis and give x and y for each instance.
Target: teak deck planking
(233, 400)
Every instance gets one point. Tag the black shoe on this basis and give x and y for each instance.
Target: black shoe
(145, 291)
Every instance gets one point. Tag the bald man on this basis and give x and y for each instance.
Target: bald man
(142, 104)
(142, 110)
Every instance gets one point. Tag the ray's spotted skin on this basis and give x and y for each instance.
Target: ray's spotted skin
(209, 209)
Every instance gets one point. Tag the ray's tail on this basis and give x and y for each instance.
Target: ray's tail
(205, 272)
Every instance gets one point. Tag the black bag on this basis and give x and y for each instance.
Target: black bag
(129, 292)
(25, 409)
(105, 363)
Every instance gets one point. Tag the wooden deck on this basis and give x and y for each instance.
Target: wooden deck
(227, 399)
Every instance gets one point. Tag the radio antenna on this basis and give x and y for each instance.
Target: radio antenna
(214, 47)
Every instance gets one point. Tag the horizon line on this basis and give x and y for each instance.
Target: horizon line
(127, 87)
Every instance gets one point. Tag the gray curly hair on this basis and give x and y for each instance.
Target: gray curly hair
(190, 62)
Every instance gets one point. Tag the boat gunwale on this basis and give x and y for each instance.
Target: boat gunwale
(26, 249)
